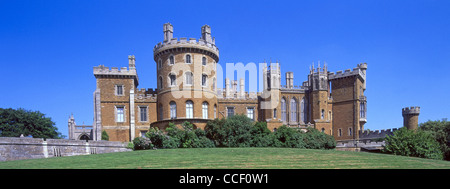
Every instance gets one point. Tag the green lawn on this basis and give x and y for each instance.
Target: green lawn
(232, 158)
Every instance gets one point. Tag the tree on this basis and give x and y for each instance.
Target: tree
(13, 123)
(231, 132)
(105, 135)
(413, 143)
(440, 130)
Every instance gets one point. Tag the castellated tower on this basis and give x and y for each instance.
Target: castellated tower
(411, 117)
(186, 78)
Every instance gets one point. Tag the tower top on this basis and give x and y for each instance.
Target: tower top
(411, 110)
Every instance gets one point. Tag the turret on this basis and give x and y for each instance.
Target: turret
(168, 32)
(411, 117)
(289, 80)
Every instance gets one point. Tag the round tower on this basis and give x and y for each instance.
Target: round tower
(186, 78)
(411, 117)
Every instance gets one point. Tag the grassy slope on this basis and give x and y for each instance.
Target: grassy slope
(233, 158)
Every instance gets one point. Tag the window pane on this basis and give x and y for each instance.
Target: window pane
(143, 113)
(250, 113)
(205, 110)
(230, 111)
(119, 114)
(189, 109)
(173, 110)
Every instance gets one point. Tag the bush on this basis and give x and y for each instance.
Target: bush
(142, 143)
(261, 135)
(413, 143)
(314, 139)
(288, 138)
(440, 130)
(231, 132)
(105, 135)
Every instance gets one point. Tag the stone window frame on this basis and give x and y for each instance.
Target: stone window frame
(124, 117)
(339, 134)
(186, 79)
(253, 113)
(234, 110)
(139, 114)
(191, 60)
(116, 89)
(191, 111)
(171, 57)
(159, 65)
(205, 116)
(204, 60)
(170, 79)
(206, 80)
(173, 111)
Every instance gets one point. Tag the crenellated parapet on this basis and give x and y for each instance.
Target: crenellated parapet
(376, 134)
(360, 71)
(411, 110)
(149, 94)
(102, 71)
(206, 43)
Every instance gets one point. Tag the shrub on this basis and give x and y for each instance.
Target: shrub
(261, 135)
(314, 139)
(413, 143)
(105, 135)
(142, 143)
(288, 138)
(440, 130)
(231, 132)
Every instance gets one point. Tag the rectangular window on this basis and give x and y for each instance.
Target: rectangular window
(204, 77)
(250, 113)
(230, 111)
(173, 80)
(349, 131)
(143, 111)
(120, 114)
(119, 90)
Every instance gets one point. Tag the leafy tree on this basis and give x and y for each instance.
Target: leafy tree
(314, 139)
(288, 138)
(261, 135)
(231, 132)
(13, 123)
(105, 135)
(413, 143)
(440, 130)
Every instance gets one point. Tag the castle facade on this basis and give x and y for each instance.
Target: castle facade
(187, 76)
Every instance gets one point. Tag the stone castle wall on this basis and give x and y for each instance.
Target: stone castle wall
(15, 148)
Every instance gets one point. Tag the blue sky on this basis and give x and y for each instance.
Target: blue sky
(48, 48)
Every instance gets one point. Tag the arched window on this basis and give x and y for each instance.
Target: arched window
(303, 110)
(189, 77)
(173, 110)
(283, 109)
(205, 110)
(293, 107)
(323, 130)
(160, 82)
(204, 61)
(171, 60)
(215, 111)
(322, 115)
(173, 79)
(188, 59)
(189, 109)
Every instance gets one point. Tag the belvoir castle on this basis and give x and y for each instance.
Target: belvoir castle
(187, 90)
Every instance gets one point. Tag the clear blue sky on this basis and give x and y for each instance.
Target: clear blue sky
(48, 48)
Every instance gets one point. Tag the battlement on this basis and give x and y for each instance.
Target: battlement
(206, 42)
(411, 110)
(376, 134)
(103, 70)
(358, 71)
(146, 94)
